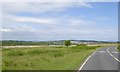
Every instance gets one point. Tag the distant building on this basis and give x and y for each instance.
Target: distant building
(80, 42)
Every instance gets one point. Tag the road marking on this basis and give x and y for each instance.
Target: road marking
(114, 52)
(86, 61)
(102, 51)
(113, 56)
(116, 49)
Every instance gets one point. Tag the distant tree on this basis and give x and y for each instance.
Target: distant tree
(67, 43)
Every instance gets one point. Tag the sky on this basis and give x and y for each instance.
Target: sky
(43, 21)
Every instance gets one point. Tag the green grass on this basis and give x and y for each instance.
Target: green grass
(46, 58)
(118, 47)
(0, 60)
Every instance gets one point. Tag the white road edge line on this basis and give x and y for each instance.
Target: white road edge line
(86, 61)
(113, 56)
(116, 49)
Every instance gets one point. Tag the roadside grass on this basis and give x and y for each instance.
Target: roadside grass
(48, 58)
(0, 60)
(118, 48)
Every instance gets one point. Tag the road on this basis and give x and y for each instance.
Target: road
(31, 46)
(102, 59)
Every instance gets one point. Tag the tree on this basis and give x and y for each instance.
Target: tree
(67, 43)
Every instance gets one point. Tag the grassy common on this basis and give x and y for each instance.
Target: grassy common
(46, 58)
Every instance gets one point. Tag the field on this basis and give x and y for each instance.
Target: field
(46, 58)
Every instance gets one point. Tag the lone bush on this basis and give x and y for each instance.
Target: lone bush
(67, 43)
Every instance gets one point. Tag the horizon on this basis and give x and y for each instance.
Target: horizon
(59, 40)
(46, 21)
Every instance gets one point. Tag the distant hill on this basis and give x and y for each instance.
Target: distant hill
(56, 42)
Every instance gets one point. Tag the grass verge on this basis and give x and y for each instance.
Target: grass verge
(48, 58)
(118, 47)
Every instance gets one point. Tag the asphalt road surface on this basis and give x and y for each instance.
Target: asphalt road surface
(102, 59)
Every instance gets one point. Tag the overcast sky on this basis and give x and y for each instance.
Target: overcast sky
(39, 21)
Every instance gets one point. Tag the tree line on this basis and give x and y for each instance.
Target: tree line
(14, 43)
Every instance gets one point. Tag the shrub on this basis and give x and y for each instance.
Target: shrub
(67, 43)
(26, 65)
(16, 53)
(58, 54)
(34, 52)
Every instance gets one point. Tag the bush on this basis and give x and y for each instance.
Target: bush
(67, 43)
(58, 54)
(16, 53)
(34, 52)
(84, 46)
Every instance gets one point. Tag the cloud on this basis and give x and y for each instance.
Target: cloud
(80, 21)
(52, 21)
(23, 28)
(34, 20)
(40, 7)
(62, 34)
(60, 0)
(20, 22)
(12, 29)
(5, 30)
(49, 25)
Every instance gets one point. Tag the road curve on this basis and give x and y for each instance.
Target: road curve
(102, 59)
